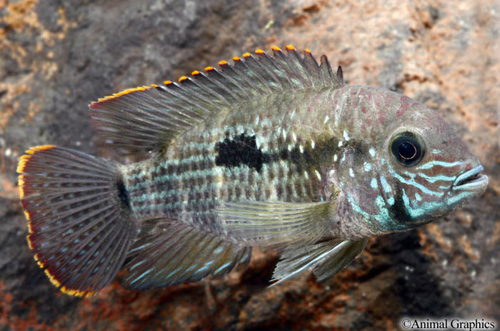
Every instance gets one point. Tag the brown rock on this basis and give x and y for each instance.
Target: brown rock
(56, 57)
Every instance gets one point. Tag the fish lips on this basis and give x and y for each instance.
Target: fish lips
(471, 180)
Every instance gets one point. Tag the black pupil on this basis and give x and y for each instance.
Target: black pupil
(407, 150)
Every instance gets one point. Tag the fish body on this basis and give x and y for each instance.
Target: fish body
(272, 151)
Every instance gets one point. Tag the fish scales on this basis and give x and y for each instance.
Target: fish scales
(270, 151)
(194, 183)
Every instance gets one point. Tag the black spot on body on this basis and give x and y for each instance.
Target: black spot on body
(240, 150)
(123, 195)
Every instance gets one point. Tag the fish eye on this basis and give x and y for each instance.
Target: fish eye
(407, 148)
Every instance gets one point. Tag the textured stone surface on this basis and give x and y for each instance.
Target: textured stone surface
(57, 56)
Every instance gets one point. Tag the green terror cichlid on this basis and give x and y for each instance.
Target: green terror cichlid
(270, 151)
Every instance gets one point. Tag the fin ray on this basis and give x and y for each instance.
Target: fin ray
(276, 223)
(324, 259)
(340, 259)
(169, 252)
(72, 217)
(138, 121)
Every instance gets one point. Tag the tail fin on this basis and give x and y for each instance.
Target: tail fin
(80, 223)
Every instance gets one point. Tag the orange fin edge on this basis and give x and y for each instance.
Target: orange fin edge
(21, 166)
(23, 161)
(259, 51)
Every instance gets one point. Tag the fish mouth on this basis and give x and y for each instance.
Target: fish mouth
(471, 180)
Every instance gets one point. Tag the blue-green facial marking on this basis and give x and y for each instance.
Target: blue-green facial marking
(411, 171)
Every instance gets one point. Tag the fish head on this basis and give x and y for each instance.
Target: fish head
(416, 169)
(429, 170)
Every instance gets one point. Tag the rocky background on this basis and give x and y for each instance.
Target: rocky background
(58, 55)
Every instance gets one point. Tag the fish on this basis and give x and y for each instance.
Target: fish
(272, 151)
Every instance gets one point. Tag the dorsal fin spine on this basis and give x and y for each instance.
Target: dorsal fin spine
(324, 70)
(158, 123)
(158, 113)
(280, 60)
(170, 90)
(214, 82)
(121, 116)
(267, 75)
(246, 74)
(295, 60)
(171, 116)
(236, 72)
(223, 78)
(194, 93)
(216, 76)
(227, 72)
(266, 62)
(176, 90)
(262, 61)
(225, 83)
(327, 69)
(340, 75)
(313, 68)
(249, 61)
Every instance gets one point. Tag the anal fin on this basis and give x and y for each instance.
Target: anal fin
(169, 252)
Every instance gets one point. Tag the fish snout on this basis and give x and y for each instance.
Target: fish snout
(471, 180)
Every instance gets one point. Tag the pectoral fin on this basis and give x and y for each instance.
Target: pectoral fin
(325, 259)
(339, 259)
(277, 223)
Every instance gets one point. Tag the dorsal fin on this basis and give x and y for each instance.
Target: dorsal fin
(146, 119)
